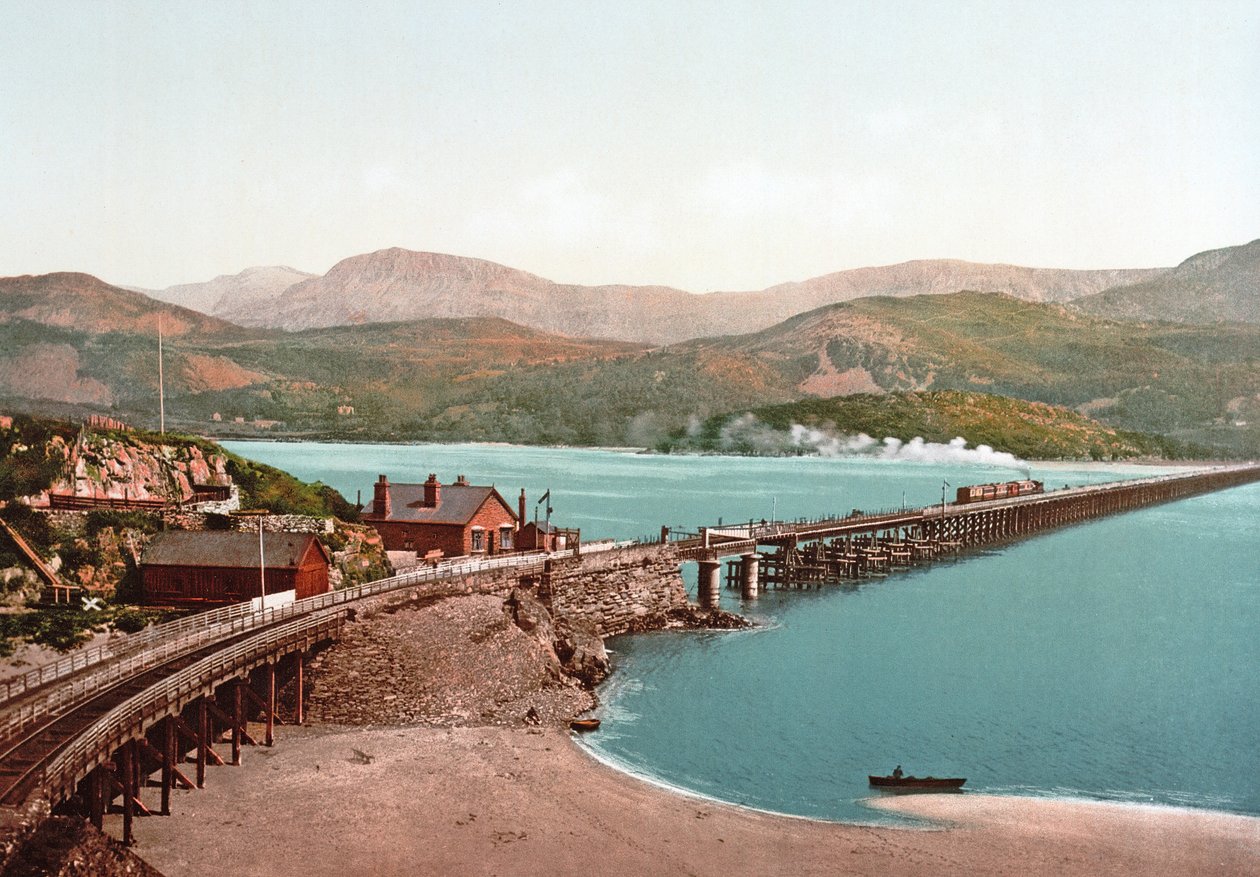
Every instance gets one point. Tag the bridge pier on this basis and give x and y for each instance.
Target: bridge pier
(168, 765)
(128, 771)
(749, 584)
(96, 784)
(299, 712)
(708, 588)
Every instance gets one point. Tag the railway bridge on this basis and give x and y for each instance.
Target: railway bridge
(100, 725)
(812, 553)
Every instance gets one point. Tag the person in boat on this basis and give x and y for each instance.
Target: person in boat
(897, 774)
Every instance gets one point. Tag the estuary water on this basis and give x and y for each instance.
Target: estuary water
(1117, 659)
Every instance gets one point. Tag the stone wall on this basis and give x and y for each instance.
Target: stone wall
(498, 582)
(612, 590)
(73, 522)
(616, 589)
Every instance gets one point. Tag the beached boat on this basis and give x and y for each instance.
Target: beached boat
(584, 724)
(917, 784)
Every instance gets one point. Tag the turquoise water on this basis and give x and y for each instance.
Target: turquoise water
(1118, 659)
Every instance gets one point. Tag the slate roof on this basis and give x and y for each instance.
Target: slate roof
(457, 506)
(228, 550)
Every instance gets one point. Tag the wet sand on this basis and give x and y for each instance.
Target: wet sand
(482, 800)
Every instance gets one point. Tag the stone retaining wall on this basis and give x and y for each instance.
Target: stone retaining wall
(615, 589)
(612, 589)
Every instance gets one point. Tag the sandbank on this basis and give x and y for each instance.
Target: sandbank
(420, 800)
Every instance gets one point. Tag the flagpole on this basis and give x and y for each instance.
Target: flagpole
(161, 387)
(262, 568)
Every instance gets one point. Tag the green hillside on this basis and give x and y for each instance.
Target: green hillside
(489, 379)
(1031, 430)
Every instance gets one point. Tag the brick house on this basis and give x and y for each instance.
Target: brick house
(202, 568)
(454, 519)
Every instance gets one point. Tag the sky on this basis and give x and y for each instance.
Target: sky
(702, 145)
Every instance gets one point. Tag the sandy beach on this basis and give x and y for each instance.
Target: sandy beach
(498, 801)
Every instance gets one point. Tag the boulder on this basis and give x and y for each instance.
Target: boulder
(530, 614)
(581, 651)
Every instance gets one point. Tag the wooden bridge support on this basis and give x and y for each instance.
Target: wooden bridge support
(299, 694)
(128, 789)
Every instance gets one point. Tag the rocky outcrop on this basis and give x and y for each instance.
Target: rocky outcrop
(101, 465)
(501, 648)
(581, 651)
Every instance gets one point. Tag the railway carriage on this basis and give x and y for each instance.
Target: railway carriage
(998, 490)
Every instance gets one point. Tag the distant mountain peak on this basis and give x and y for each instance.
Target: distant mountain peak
(82, 302)
(1221, 285)
(236, 297)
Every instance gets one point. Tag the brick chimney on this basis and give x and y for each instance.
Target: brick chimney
(432, 492)
(380, 499)
(461, 480)
(520, 504)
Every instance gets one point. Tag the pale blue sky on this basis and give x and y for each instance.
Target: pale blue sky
(703, 145)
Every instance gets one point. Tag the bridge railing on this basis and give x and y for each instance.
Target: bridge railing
(1236, 473)
(214, 618)
(179, 637)
(159, 700)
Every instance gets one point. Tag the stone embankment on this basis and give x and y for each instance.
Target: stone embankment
(499, 647)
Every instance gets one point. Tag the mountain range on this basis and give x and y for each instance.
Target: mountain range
(397, 284)
(73, 340)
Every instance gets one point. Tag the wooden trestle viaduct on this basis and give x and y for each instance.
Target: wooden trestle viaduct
(112, 724)
(812, 553)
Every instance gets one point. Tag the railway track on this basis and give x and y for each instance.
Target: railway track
(24, 752)
(50, 710)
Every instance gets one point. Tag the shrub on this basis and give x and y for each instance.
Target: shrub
(119, 520)
(130, 620)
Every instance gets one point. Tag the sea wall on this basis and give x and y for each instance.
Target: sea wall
(614, 591)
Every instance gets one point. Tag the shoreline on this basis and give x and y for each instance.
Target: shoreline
(887, 802)
(487, 800)
(637, 451)
(433, 772)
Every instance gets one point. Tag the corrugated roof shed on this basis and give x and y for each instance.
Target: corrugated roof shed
(228, 549)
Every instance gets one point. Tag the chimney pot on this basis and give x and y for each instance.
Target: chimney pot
(380, 497)
(432, 491)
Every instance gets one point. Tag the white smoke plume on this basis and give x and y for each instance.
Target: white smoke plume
(747, 434)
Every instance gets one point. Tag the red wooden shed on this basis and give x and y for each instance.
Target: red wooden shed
(211, 568)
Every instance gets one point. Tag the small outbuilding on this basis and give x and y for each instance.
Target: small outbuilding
(545, 536)
(207, 568)
(435, 519)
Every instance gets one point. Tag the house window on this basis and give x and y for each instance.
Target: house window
(505, 538)
(478, 539)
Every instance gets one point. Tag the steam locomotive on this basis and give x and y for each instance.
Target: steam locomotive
(999, 490)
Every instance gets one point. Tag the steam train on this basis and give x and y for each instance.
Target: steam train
(1000, 490)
